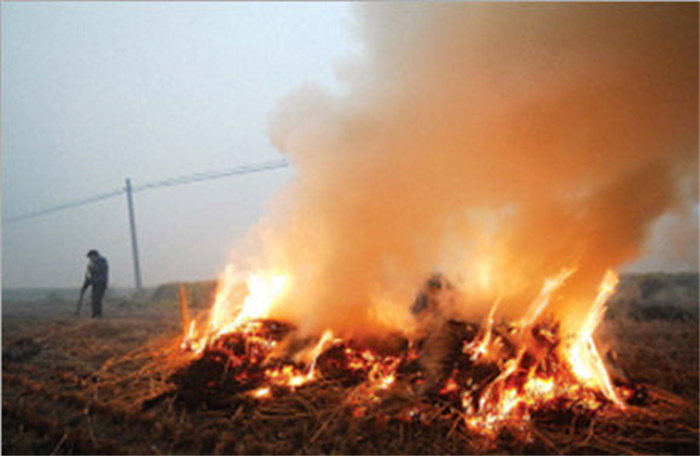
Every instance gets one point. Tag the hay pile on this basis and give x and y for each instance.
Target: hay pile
(338, 414)
(76, 396)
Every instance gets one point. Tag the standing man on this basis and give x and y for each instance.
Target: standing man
(97, 276)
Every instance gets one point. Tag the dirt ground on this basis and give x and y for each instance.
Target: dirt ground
(53, 401)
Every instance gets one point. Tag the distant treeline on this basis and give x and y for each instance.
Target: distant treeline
(653, 296)
(55, 294)
(199, 294)
(657, 296)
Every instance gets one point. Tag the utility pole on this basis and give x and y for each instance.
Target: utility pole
(134, 245)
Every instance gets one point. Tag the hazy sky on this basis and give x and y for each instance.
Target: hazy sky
(95, 92)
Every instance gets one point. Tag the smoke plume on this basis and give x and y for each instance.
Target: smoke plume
(494, 143)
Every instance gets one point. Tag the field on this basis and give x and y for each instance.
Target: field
(74, 385)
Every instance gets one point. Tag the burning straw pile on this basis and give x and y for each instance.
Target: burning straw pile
(505, 387)
(496, 145)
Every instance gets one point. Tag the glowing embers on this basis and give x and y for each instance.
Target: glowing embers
(232, 364)
(538, 368)
(502, 375)
(248, 361)
(291, 376)
(531, 378)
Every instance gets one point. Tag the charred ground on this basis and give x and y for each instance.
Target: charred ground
(73, 385)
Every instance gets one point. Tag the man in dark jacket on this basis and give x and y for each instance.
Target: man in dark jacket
(97, 276)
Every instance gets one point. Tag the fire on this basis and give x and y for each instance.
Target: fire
(531, 367)
(450, 386)
(496, 196)
(263, 291)
(548, 289)
(583, 356)
(263, 392)
(542, 388)
(326, 338)
(573, 374)
(480, 347)
(288, 376)
(292, 377)
(189, 339)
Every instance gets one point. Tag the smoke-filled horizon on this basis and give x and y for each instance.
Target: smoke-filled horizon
(497, 144)
(149, 117)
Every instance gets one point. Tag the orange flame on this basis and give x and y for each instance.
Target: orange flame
(534, 372)
(318, 349)
(507, 399)
(540, 303)
(582, 355)
(263, 291)
(480, 346)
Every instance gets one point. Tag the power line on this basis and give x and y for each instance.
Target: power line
(199, 177)
(170, 182)
(64, 206)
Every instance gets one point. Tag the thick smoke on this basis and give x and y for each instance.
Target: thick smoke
(495, 143)
(672, 245)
